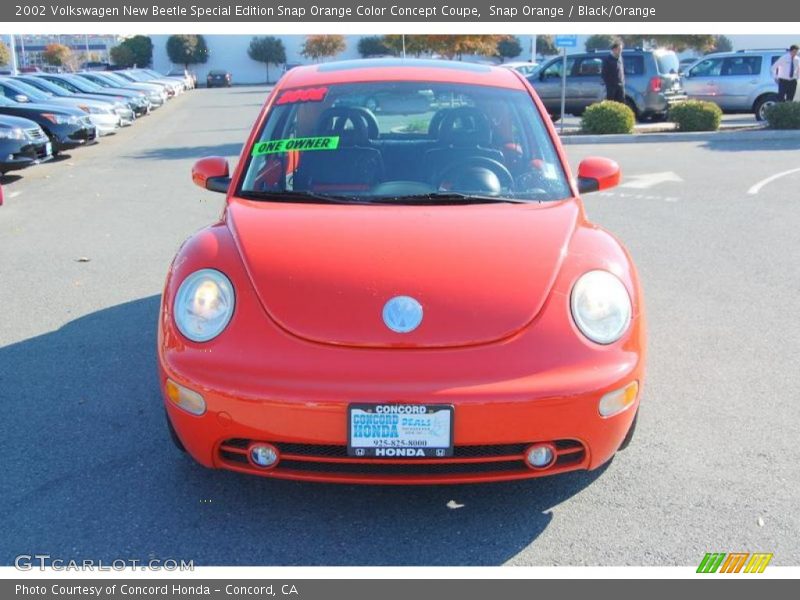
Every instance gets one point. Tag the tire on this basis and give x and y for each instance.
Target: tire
(174, 434)
(762, 104)
(632, 105)
(629, 436)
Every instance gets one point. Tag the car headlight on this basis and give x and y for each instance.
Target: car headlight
(204, 305)
(12, 133)
(601, 306)
(61, 119)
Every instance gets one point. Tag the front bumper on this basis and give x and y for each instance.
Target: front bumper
(490, 435)
(106, 124)
(67, 137)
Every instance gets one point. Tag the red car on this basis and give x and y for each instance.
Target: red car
(402, 298)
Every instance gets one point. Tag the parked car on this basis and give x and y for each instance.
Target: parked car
(102, 114)
(117, 103)
(652, 83)
(685, 63)
(524, 67)
(106, 79)
(217, 78)
(172, 85)
(738, 81)
(167, 90)
(66, 127)
(462, 319)
(137, 100)
(183, 74)
(22, 144)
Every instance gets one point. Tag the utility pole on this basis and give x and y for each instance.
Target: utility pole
(13, 53)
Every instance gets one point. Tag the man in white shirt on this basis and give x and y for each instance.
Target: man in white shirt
(786, 71)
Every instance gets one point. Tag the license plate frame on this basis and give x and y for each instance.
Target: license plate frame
(389, 418)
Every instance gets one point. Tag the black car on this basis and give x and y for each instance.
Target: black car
(66, 127)
(218, 79)
(22, 144)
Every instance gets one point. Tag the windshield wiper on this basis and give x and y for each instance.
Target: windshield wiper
(456, 198)
(301, 197)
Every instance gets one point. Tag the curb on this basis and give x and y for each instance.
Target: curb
(746, 135)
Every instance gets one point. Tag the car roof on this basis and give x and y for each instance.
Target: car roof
(399, 69)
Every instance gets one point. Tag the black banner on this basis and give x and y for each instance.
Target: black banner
(497, 11)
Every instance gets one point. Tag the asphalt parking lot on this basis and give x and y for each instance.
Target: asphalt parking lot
(89, 470)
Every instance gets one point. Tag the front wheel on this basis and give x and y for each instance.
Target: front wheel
(762, 104)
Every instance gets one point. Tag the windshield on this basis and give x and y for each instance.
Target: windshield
(115, 79)
(82, 84)
(31, 92)
(395, 140)
(43, 84)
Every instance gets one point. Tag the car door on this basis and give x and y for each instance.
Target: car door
(547, 83)
(702, 80)
(588, 87)
(738, 77)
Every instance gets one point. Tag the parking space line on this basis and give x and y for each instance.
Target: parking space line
(757, 187)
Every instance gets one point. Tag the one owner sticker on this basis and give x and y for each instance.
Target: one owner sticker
(296, 144)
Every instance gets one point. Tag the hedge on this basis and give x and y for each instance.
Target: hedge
(696, 115)
(784, 115)
(608, 117)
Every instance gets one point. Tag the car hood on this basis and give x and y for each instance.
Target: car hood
(325, 272)
(20, 122)
(39, 108)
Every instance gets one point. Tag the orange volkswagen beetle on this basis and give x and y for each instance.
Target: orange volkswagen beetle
(403, 289)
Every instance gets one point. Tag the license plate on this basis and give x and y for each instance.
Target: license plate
(400, 430)
(48, 149)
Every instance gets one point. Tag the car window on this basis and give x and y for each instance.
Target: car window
(396, 139)
(710, 67)
(590, 66)
(633, 65)
(775, 58)
(553, 70)
(741, 65)
(667, 62)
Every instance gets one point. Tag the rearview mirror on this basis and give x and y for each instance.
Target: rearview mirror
(211, 173)
(596, 174)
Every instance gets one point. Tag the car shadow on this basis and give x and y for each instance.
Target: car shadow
(9, 178)
(189, 152)
(761, 145)
(90, 472)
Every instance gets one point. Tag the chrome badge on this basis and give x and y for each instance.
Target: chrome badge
(402, 314)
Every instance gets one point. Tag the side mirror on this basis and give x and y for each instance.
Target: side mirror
(21, 98)
(596, 174)
(211, 173)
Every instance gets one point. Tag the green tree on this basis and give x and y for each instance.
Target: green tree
(455, 46)
(320, 47)
(122, 56)
(268, 50)
(5, 55)
(187, 49)
(721, 44)
(415, 45)
(546, 45)
(373, 45)
(509, 47)
(56, 55)
(141, 47)
(599, 41)
(679, 43)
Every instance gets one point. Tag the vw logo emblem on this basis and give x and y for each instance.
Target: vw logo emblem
(402, 314)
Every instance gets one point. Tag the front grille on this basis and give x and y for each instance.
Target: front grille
(476, 460)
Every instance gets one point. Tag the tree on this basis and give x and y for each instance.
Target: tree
(320, 47)
(187, 49)
(373, 45)
(679, 43)
(142, 48)
(267, 49)
(5, 55)
(509, 47)
(455, 46)
(546, 45)
(56, 54)
(415, 45)
(721, 44)
(599, 41)
(122, 56)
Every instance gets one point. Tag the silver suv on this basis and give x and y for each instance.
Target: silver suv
(652, 83)
(738, 81)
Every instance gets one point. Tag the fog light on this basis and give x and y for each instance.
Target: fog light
(540, 456)
(263, 455)
(187, 399)
(618, 400)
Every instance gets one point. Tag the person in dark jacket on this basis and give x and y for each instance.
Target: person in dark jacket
(614, 74)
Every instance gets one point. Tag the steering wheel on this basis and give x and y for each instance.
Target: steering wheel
(467, 167)
(334, 119)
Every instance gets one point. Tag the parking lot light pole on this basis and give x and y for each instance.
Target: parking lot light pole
(13, 53)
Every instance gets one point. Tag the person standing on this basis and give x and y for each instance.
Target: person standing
(786, 71)
(613, 74)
